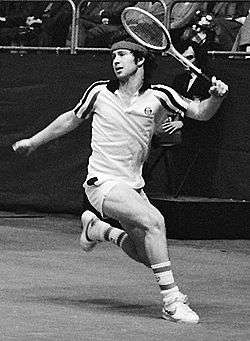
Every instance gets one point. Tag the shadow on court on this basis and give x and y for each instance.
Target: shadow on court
(51, 290)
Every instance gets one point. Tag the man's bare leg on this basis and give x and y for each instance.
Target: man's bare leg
(145, 228)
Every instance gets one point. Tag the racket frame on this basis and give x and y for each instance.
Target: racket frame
(154, 19)
(167, 42)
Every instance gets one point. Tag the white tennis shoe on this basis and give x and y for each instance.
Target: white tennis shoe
(88, 219)
(179, 311)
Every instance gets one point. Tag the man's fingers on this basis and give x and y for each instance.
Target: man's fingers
(218, 88)
(15, 147)
(214, 80)
(21, 147)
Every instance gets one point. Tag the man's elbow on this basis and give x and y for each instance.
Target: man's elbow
(205, 117)
(205, 111)
(72, 120)
(195, 111)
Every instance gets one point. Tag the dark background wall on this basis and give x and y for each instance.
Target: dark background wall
(34, 89)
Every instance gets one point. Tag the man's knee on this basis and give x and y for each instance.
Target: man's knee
(153, 223)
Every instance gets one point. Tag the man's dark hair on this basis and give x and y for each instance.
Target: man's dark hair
(150, 63)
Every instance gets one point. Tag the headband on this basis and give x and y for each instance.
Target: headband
(128, 45)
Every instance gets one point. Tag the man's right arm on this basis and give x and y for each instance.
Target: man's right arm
(62, 125)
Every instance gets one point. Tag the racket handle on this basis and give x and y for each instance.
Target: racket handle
(203, 75)
(188, 64)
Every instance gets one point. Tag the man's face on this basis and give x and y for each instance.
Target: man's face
(124, 64)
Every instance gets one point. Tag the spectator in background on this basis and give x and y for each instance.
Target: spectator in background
(195, 134)
(215, 25)
(41, 23)
(99, 21)
(228, 18)
(229, 10)
(193, 87)
(181, 15)
(12, 17)
(56, 20)
(20, 23)
(221, 9)
(165, 142)
(172, 133)
(242, 42)
(187, 83)
(154, 7)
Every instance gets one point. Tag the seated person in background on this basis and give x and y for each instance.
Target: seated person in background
(20, 23)
(41, 23)
(168, 130)
(195, 88)
(187, 83)
(228, 18)
(242, 42)
(215, 24)
(154, 7)
(166, 139)
(12, 17)
(181, 14)
(99, 21)
(56, 19)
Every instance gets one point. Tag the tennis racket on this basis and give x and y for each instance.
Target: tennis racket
(147, 30)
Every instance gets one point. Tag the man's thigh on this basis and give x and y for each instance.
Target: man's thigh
(129, 206)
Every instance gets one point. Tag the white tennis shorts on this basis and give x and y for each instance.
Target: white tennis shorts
(96, 194)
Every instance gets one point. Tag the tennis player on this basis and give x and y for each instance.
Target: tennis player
(124, 115)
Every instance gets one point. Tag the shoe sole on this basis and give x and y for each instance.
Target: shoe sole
(168, 317)
(171, 319)
(86, 219)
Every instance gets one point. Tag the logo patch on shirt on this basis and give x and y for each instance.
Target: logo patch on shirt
(148, 111)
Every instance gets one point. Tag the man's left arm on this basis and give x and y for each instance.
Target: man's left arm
(207, 108)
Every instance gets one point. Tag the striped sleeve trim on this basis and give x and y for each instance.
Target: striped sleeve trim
(165, 105)
(171, 98)
(84, 107)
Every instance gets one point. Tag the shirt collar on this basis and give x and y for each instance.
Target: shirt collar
(113, 85)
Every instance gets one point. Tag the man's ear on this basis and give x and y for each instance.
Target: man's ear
(140, 61)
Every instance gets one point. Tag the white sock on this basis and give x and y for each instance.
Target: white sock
(105, 232)
(165, 279)
(115, 235)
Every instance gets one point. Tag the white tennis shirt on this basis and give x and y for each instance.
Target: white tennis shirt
(121, 135)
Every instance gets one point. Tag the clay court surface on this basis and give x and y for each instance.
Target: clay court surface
(51, 290)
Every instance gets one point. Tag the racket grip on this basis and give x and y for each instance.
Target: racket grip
(208, 79)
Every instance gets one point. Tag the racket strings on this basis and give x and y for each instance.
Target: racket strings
(150, 32)
(144, 28)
